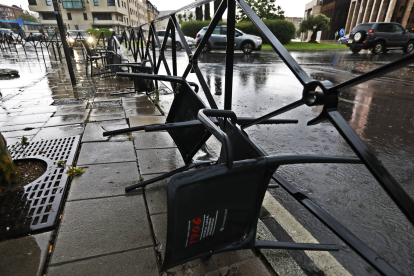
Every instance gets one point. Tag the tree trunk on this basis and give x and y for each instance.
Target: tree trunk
(207, 16)
(313, 36)
(199, 13)
(9, 173)
(216, 6)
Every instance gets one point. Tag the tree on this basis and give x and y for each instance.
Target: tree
(190, 16)
(265, 9)
(216, 6)
(9, 173)
(185, 17)
(207, 12)
(314, 23)
(180, 18)
(199, 13)
(27, 17)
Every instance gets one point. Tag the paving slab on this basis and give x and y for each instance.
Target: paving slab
(137, 104)
(59, 132)
(104, 180)
(71, 110)
(135, 262)
(135, 121)
(153, 140)
(24, 256)
(38, 110)
(66, 120)
(29, 119)
(108, 113)
(252, 266)
(14, 140)
(156, 195)
(152, 161)
(21, 127)
(134, 97)
(20, 133)
(106, 152)
(106, 117)
(94, 131)
(90, 228)
(142, 111)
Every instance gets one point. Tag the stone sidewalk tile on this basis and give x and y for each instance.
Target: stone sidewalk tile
(106, 117)
(66, 120)
(47, 133)
(142, 111)
(24, 256)
(94, 227)
(153, 140)
(152, 161)
(21, 127)
(280, 260)
(138, 104)
(156, 195)
(14, 140)
(196, 267)
(39, 110)
(135, 262)
(94, 131)
(29, 119)
(104, 180)
(71, 110)
(252, 266)
(20, 133)
(135, 121)
(106, 113)
(106, 152)
(134, 97)
(5, 117)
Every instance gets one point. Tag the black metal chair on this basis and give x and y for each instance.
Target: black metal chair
(216, 208)
(91, 56)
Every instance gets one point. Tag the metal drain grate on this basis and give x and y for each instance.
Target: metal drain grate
(55, 150)
(37, 205)
(69, 101)
(105, 104)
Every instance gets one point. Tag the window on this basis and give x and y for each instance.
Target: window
(48, 16)
(95, 2)
(118, 4)
(111, 2)
(48, 3)
(69, 16)
(385, 28)
(398, 29)
(32, 2)
(102, 16)
(224, 30)
(216, 31)
(76, 27)
(85, 16)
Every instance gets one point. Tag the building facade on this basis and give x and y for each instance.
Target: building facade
(10, 12)
(337, 11)
(366, 11)
(116, 15)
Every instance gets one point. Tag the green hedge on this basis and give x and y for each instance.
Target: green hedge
(96, 33)
(282, 29)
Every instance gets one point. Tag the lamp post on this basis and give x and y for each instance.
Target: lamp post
(64, 42)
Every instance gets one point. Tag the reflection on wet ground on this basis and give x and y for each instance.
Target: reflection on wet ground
(380, 111)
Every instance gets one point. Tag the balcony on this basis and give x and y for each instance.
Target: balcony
(73, 4)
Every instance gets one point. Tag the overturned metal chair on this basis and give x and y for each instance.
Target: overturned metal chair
(183, 125)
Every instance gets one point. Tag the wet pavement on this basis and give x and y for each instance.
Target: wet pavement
(380, 111)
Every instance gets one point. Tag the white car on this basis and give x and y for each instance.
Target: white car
(178, 44)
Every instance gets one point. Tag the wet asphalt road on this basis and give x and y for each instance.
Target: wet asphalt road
(380, 111)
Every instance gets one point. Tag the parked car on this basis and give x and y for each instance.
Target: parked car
(343, 40)
(4, 33)
(36, 37)
(245, 42)
(178, 44)
(380, 38)
(76, 37)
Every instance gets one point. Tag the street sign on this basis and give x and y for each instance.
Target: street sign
(20, 21)
(342, 32)
(336, 33)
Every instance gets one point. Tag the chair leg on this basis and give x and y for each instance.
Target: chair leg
(294, 246)
(155, 179)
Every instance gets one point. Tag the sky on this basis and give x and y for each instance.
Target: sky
(292, 8)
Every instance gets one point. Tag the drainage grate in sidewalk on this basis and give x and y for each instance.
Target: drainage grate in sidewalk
(37, 205)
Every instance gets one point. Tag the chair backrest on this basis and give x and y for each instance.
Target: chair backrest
(140, 84)
(185, 107)
(214, 209)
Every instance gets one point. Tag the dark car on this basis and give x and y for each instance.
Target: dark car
(36, 37)
(380, 38)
